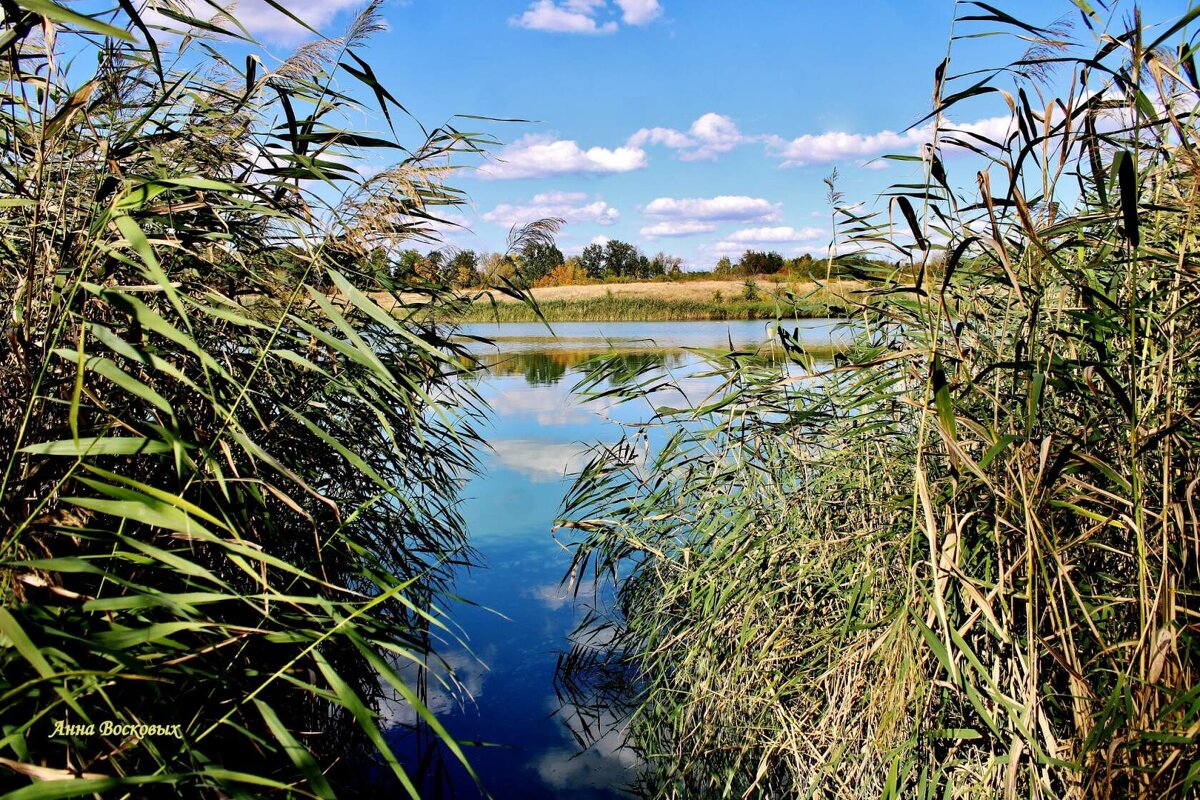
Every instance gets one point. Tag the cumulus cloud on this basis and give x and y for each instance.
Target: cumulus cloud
(639, 12)
(801, 240)
(776, 235)
(570, 206)
(261, 19)
(539, 461)
(662, 230)
(455, 678)
(584, 16)
(539, 156)
(708, 137)
(725, 208)
(606, 762)
(826, 148)
(664, 136)
(560, 595)
(571, 17)
(996, 129)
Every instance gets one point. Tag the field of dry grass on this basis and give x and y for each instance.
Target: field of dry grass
(685, 291)
(701, 299)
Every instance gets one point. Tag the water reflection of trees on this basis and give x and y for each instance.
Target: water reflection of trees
(548, 367)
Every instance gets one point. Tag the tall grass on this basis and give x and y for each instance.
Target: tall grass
(623, 309)
(964, 563)
(615, 308)
(228, 501)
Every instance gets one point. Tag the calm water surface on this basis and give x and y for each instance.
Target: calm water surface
(540, 432)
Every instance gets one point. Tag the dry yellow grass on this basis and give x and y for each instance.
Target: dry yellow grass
(680, 291)
(695, 291)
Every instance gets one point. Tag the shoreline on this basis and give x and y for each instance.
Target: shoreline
(757, 298)
(684, 301)
(632, 310)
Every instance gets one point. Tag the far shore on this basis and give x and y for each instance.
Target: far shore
(761, 297)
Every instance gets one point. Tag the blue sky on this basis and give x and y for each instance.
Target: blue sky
(697, 127)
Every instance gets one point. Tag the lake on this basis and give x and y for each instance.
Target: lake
(540, 432)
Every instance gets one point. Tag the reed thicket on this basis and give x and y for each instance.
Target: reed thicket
(228, 478)
(964, 562)
(664, 301)
(644, 309)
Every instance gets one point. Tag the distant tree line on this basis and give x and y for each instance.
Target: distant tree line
(614, 260)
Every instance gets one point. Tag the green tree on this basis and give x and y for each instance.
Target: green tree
(593, 261)
(755, 262)
(801, 267)
(621, 259)
(540, 259)
(406, 264)
(464, 268)
(664, 264)
(377, 267)
(495, 268)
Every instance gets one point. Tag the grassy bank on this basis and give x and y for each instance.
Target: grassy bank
(611, 307)
(755, 298)
(633, 309)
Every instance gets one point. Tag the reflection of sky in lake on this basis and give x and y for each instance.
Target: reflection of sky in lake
(540, 432)
(515, 336)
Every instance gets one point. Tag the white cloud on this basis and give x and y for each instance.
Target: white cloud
(455, 678)
(664, 136)
(725, 208)
(782, 233)
(826, 148)
(573, 17)
(716, 134)
(261, 19)
(639, 12)
(570, 206)
(681, 228)
(582, 16)
(731, 249)
(834, 146)
(559, 595)
(995, 128)
(600, 240)
(708, 137)
(798, 241)
(539, 461)
(606, 762)
(539, 156)
(735, 249)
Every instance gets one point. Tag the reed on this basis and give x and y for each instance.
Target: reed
(228, 501)
(614, 308)
(962, 563)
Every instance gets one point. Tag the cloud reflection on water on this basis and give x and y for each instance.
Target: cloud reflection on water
(455, 679)
(540, 432)
(605, 764)
(540, 461)
(560, 595)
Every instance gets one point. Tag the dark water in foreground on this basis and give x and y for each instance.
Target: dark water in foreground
(540, 432)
